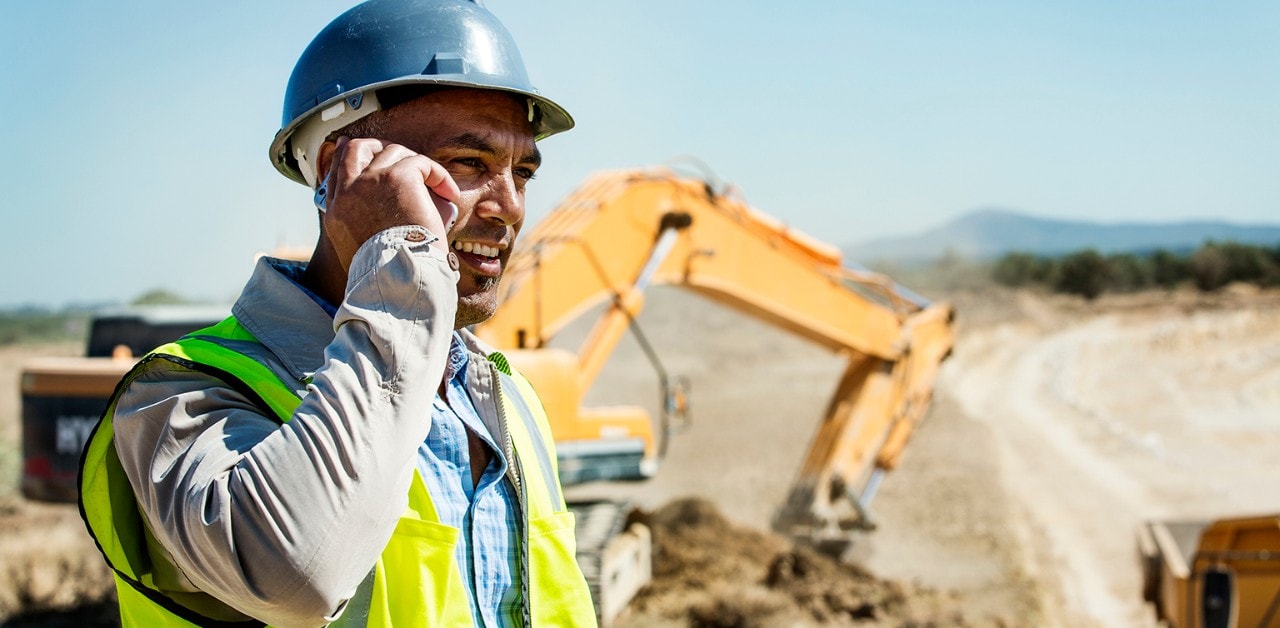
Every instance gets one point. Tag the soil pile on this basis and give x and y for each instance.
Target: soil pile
(710, 572)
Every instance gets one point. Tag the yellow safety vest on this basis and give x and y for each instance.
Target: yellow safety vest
(416, 581)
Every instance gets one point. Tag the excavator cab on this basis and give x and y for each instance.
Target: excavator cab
(592, 443)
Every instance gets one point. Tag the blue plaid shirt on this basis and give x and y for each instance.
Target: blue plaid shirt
(487, 514)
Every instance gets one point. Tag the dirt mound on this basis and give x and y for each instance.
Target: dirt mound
(710, 572)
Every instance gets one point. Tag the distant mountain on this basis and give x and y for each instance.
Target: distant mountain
(990, 233)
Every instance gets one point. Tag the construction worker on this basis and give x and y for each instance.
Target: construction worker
(341, 450)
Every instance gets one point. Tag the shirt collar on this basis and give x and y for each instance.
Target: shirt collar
(283, 317)
(459, 357)
(293, 272)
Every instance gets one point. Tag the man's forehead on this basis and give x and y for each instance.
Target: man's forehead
(485, 120)
(480, 102)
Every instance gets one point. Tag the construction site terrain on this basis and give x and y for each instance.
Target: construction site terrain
(1058, 425)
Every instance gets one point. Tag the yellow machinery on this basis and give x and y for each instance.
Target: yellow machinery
(62, 397)
(622, 232)
(1218, 574)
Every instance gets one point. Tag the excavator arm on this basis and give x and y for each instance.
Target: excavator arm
(622, 232)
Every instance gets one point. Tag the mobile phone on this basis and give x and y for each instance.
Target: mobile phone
(321, 199)
(448, 212)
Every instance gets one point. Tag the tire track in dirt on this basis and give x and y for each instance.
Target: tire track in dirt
(1073, 495)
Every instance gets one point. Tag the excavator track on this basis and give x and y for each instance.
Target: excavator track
(614, 555)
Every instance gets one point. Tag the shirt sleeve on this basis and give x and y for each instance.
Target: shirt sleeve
(282, 523)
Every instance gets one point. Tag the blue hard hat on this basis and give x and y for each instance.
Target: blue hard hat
(387, 43)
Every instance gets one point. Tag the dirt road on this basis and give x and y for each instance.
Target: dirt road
(1058, 425)
(1139, 408)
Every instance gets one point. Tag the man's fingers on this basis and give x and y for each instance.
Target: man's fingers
(381, 184)
(352, 157)
(389, 155)
(432, 174)
(440, 189)
(361, 155)
(440, 181)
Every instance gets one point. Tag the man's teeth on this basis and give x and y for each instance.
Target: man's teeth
(476, 248)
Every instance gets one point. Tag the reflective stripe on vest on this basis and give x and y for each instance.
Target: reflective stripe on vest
(416, 580)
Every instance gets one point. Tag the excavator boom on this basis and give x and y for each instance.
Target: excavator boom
(596, 243)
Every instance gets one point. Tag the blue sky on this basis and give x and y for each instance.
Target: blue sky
(137, 131)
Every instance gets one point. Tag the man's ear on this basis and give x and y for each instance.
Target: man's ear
(325, 160)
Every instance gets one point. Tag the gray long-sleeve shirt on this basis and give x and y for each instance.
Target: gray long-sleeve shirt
(281, 523)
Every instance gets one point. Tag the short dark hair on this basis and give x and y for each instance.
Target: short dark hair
(400, 94)
(370, 126)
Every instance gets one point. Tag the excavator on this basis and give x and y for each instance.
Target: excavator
(619, 234)
(623, 232)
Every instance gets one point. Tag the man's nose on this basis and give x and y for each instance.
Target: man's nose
(502, 202)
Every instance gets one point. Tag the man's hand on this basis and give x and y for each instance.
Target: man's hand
(375, 185)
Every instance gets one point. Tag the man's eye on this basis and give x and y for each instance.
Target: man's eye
(470, 162)
(526, 174)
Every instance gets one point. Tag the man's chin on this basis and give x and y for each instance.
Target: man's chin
(474, 309)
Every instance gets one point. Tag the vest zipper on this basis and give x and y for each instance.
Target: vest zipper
(516, 473)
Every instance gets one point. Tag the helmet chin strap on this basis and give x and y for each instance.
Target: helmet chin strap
(308, 139)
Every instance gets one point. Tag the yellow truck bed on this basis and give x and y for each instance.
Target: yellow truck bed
(1211, 574)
